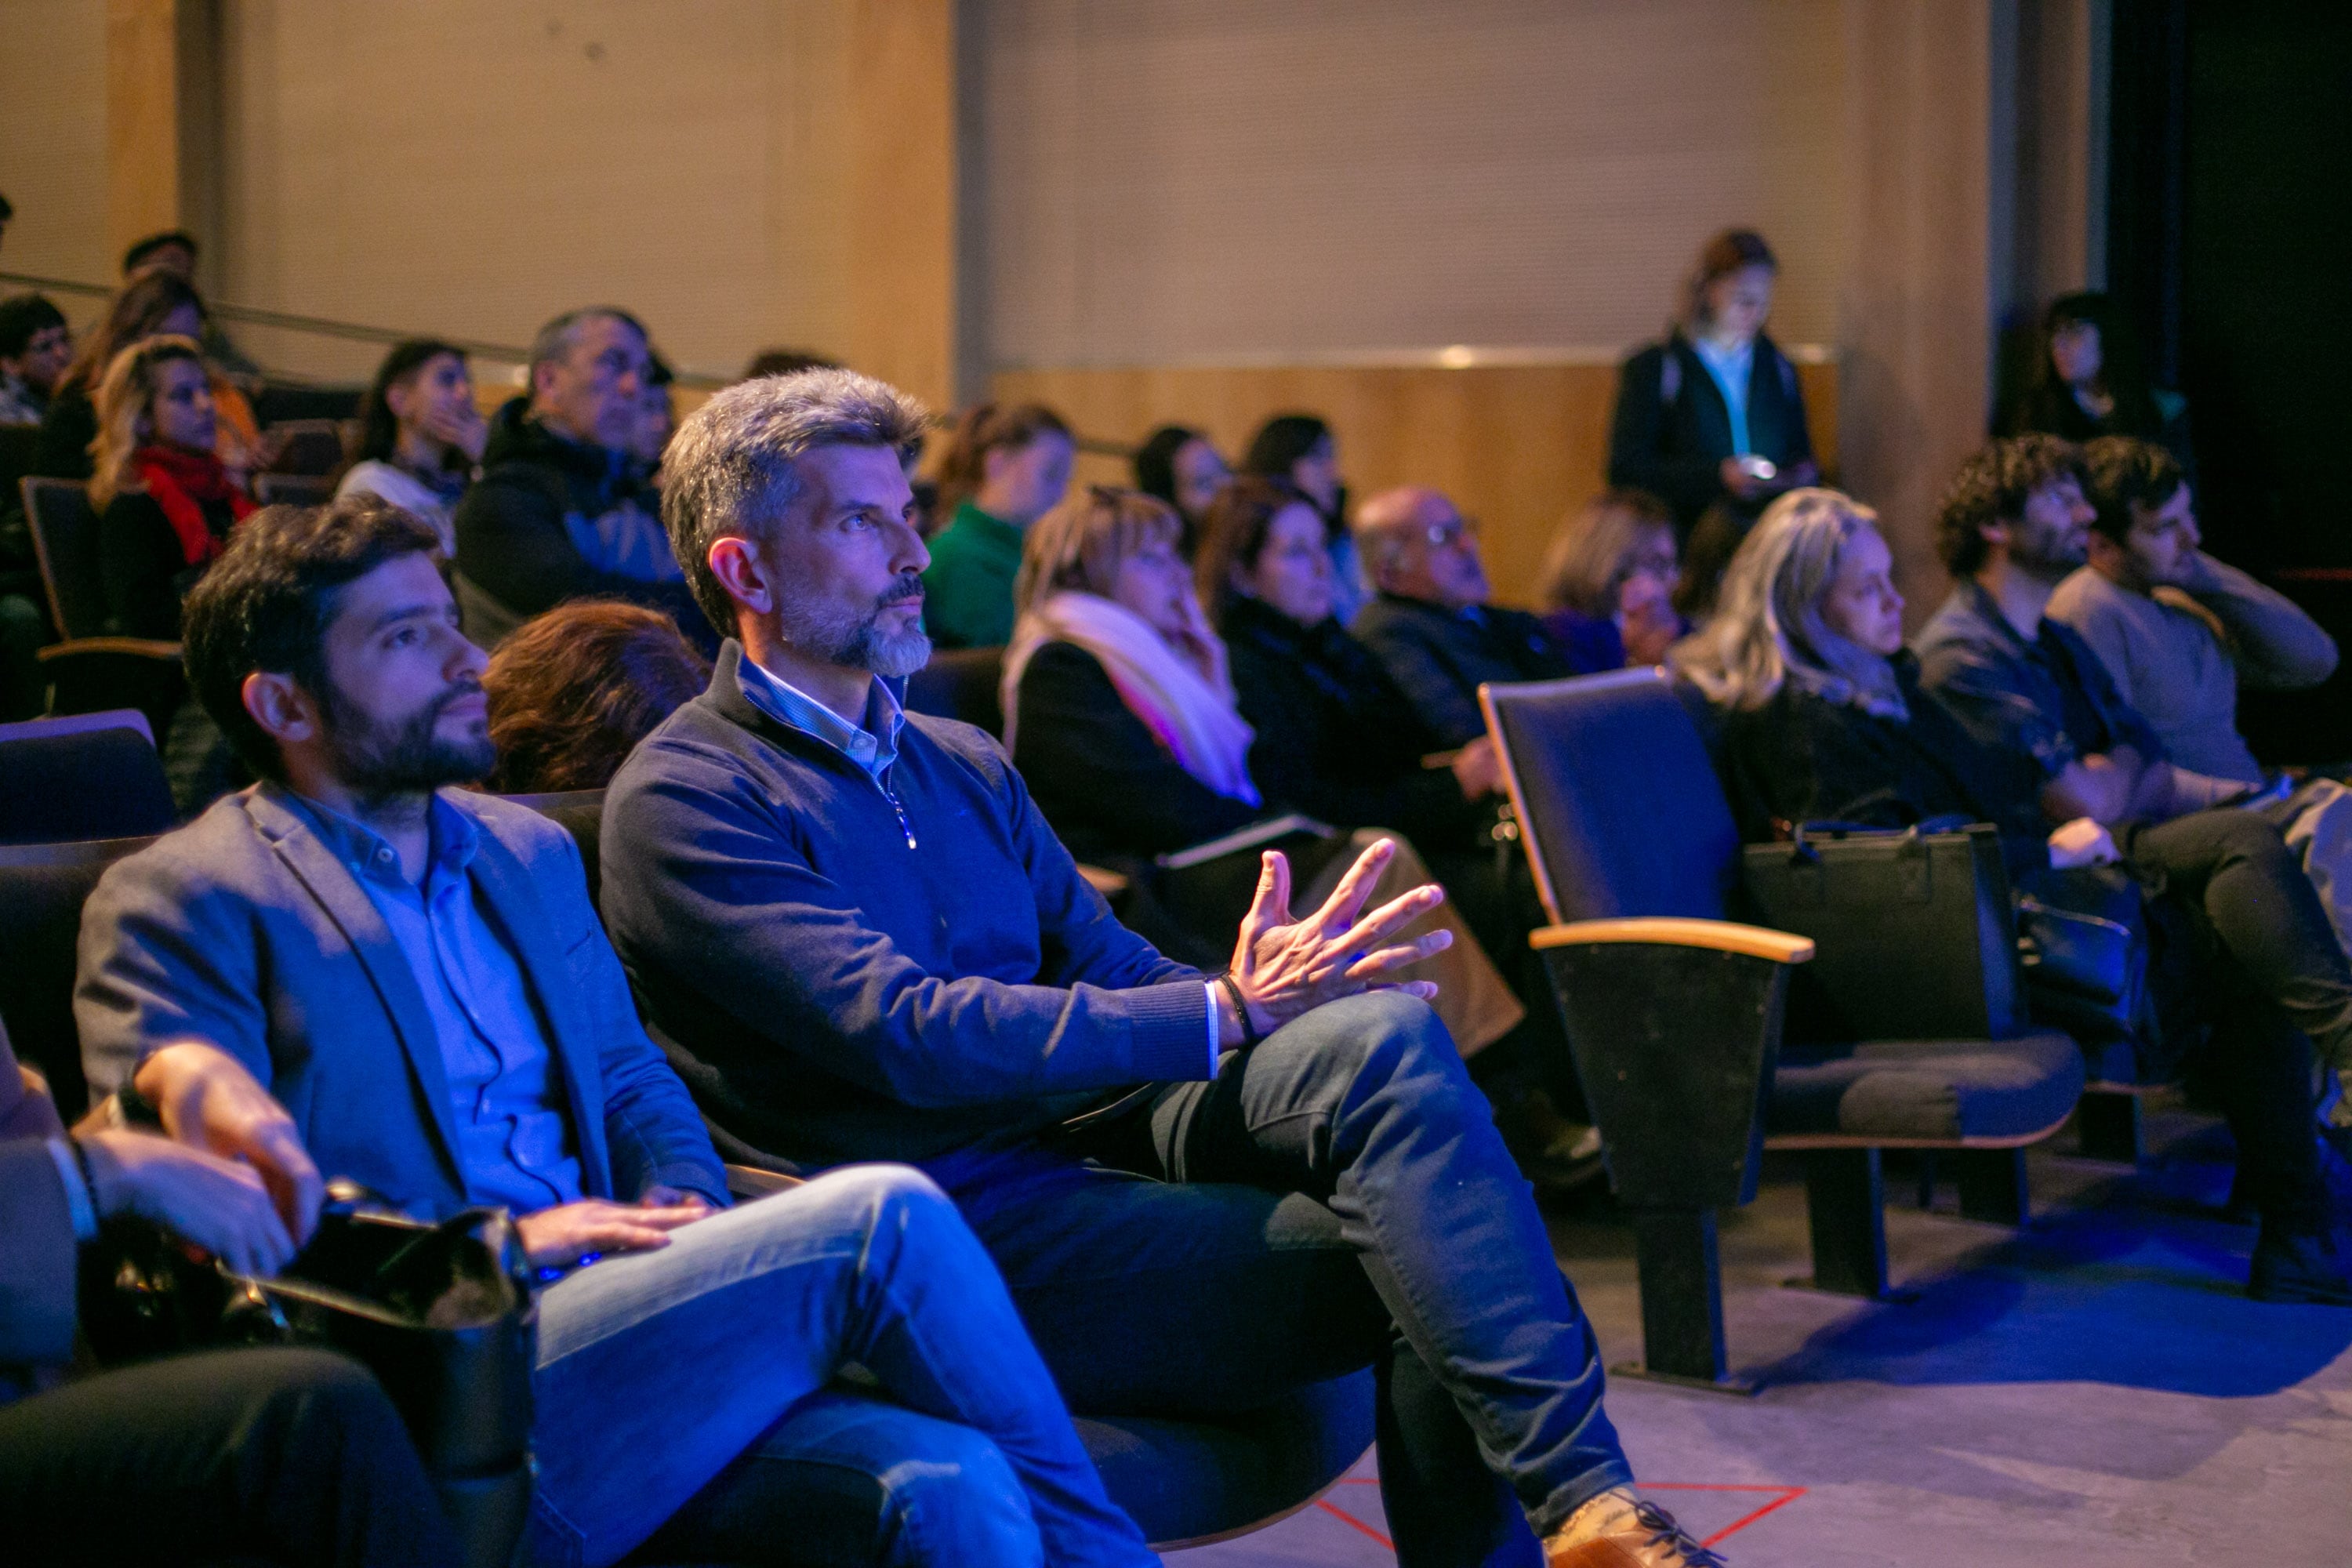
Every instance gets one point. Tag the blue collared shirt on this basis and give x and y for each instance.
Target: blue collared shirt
(514, 1135)
(1730, 369)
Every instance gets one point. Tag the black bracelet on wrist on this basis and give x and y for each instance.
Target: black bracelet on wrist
(1250, 1037)
(135, 1107)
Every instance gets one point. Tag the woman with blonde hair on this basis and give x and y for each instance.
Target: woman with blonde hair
(164, 502)
(1120, 712)
(152, 305)
(1609, 583)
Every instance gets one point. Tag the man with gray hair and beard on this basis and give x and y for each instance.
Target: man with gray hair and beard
(858, 940)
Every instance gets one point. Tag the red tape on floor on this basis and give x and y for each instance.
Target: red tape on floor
(1787, 1496)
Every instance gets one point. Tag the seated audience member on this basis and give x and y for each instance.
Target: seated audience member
(1609, 583)
(2176, 629)
(293, 1455)
(1182, 468)
(562, 510)
(484, 1049)
(1300, 451)
(1118, 709)
(911, 966)
(1335, 739)
(2089, 380)
(155, 305)
(1333, 736)
(174, 252)
(36, 345)
(1825, 717)
(657, 417)
(2013, 523)
(1431, 625)
(1004, 468)
(573, 691)
(420, 435)
(787, 361)
(1713, 414)
(164, 503)
(1120, 716)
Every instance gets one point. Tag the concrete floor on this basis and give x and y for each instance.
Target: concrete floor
(2094, 1390)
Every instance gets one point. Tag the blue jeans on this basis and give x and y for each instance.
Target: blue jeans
(713, 1365)
(1334, 1198)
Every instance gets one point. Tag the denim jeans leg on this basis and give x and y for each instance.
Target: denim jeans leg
(658, 1368)
(860, 1483)
(1365, 1102)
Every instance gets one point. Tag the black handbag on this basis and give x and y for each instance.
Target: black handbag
(441, 1312)
(2082, 971)
(1914, 936)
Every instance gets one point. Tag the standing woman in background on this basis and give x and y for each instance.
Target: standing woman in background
(1006, 468)
(420, 435)
(1713, 414)
(1299, 451)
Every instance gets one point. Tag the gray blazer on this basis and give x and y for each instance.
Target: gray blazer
(244, 929)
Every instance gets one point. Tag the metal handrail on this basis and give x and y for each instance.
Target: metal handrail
(322, 326)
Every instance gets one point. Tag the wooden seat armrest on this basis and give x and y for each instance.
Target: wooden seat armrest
(1656, 930)
(140, 647)
(750, 1182)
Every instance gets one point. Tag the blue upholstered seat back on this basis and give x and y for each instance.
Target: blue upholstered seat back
(1619, 798)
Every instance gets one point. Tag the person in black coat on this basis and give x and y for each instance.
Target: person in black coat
(1713, 414)
(153, 305)
(562, 510)
(1431, 625)
(2089, 379)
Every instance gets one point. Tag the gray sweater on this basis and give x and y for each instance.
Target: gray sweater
(2169, 665)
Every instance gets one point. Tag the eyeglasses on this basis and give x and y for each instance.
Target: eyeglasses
(1451, 532)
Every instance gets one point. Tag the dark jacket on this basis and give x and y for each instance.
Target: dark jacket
(2052, 697)
(245, 930)
(515, 527)
(67, 431)
(1438, 658)
(1672, 430)
(1802, 758)
(835, 993)
(1113, 792)
(38, 1248)
(142, 568)
(1336, 738)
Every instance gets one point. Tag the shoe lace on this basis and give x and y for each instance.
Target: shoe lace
(1667, 1535)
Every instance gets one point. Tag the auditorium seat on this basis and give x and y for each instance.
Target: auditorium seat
(42, 890)
(90, 775)
(581, 813)
(1675, 1016)
(90, 669)
(960, 683)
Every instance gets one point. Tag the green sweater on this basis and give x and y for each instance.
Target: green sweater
(968, 592)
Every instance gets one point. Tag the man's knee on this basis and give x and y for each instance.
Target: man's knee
(1385, 1035)
(956, 1500)
(880, 1200)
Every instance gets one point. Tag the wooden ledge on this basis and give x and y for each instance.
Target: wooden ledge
(1724, 936)
(142, 647)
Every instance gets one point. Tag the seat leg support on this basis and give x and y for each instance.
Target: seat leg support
(2108, 1126)
(1993, 1185)
(1845, 1202)
(1682, 1295)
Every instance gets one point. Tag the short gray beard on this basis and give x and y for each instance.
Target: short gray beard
(826, 631)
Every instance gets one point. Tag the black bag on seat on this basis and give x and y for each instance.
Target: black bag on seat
(442, 1313)
(1914, 934)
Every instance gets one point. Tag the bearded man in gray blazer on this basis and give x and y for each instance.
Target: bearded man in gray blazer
(352, 968)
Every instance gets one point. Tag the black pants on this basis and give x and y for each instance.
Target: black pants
(290, 1456)
(2274, 982)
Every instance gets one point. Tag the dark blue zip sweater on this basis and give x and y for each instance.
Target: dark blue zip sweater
(830, 993)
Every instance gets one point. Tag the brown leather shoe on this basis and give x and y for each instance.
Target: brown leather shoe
(1644, 1537)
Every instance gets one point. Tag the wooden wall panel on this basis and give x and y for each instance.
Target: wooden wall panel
(1515, 445)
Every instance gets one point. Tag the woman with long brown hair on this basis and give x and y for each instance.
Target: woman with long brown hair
(1006, 468)
(153, 305)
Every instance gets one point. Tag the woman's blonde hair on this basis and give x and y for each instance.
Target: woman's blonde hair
(1081, 543)
(1768, 626)
(1592, 553)
(126, 394)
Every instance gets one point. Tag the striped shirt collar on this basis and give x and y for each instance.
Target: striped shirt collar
(873, 745)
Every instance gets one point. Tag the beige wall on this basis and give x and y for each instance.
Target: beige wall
(53, 139)
(1185, 181)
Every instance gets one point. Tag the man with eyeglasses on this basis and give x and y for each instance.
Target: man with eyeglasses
(1431, 623)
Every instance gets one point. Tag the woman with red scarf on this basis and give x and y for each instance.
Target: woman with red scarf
(165, 504)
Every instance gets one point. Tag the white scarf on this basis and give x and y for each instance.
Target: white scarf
(1188, 706)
